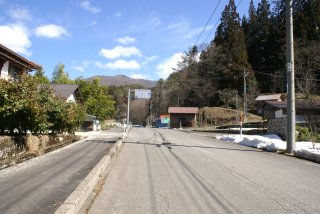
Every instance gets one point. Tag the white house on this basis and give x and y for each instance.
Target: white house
(67, 92)
(12, 64)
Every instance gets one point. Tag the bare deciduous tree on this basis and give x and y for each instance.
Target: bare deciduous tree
(307, 66)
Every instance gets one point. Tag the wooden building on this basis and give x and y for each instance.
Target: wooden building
(67, 92)
(12, 64)
(181, 117)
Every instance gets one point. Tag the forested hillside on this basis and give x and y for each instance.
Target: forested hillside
(250, 47)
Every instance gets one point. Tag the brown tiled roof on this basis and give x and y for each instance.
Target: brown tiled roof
(268, 97)
(183, 110)
(64, 91)
(8, 55)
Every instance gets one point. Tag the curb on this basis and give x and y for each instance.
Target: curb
(75, 202)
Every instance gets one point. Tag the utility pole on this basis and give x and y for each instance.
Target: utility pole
(244, 94)
(160, 101)
(237, 107)
(291, 113)
(128, 116)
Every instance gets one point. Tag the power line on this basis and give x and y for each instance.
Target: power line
(214, 27)
(207, 22)
(278, 76)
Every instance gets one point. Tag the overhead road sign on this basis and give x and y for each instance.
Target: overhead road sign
(142, 94)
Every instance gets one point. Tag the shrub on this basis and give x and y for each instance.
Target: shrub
(25, 105)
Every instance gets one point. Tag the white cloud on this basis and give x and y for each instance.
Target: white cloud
(94, 23)
(183, 30)
(139, 76)
(20, 13)
(78, 68)
(126, 40)
(52, 31)
(151, 58)
(195, 32)
(119, 14)
(153, 22)
(119, 64)
(181, 26)
(168, 66)
(87, 6)
(120, 51)
(16, 37)
(84, 65)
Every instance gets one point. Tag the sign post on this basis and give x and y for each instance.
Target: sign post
(139, 94)
(241, 121)
(128, 113)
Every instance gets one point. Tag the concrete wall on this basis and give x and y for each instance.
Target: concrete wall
(278, 126)
(279, 114)
(8, 71)
(4, 74)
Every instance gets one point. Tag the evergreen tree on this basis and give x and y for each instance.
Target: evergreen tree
(60, 76)
(262, 44)
(40, 77)
(307, 19)
(250, 29)
(277, 45)
(230, 37)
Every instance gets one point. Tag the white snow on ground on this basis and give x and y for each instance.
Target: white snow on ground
(274, 143)
(91, 133)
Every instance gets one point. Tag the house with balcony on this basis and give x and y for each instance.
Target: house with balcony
(12, 65)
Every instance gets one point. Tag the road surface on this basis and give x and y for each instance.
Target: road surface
(168, 171)
(40, 185)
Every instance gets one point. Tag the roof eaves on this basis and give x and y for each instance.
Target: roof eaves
(12, 56)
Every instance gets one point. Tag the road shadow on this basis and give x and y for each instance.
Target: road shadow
(170, 146)
(102, 141)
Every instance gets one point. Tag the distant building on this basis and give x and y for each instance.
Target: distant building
(261, 99)
(181, 117)
(270, 97)
(164, 121)
(12, 64)
(276, 114)
(91, 123)
(278, 110)
(71, 93)
(67, 92)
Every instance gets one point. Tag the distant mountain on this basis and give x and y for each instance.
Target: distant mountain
(123, 80)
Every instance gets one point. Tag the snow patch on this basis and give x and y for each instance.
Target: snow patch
(273, 143)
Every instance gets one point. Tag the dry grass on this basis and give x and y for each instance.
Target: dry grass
(217, 116)
(17, 149)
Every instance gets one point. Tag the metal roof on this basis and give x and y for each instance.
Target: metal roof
(269, 97)
(183, 110)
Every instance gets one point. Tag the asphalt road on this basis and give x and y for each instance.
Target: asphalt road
(167, 171)
(40, 185)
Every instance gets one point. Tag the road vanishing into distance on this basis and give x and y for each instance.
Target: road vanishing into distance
(168, 171)
(40, 185)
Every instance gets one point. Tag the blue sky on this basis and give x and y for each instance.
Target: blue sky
(137, 38)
